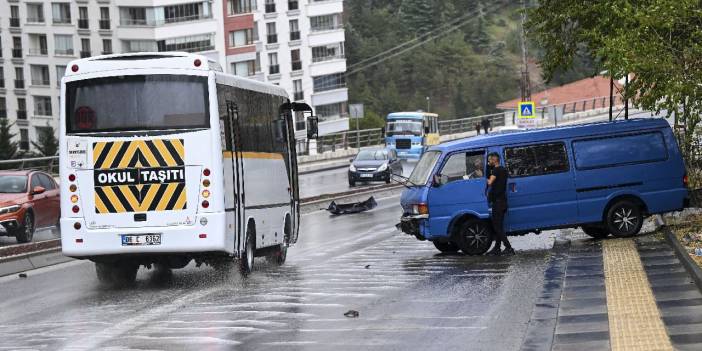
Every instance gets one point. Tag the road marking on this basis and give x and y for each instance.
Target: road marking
(634, 320)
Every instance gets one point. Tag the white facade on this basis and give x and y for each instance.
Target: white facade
(39, 38)
(297, 43)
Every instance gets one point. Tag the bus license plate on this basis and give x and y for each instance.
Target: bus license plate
(367, 175)
(142, 239)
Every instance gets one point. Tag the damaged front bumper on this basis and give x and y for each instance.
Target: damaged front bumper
(410, 224)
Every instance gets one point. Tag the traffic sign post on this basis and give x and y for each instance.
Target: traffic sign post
(356, 112)
(526, 114)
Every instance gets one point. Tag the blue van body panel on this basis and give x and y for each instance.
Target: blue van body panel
(638, 158)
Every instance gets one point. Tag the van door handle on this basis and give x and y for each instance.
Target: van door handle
(513, 187)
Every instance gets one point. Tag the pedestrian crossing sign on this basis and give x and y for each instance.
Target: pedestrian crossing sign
(526, 109)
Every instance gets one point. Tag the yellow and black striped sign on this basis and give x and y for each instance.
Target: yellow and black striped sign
(139, 176)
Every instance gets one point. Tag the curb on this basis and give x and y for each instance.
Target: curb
(690, 266)
(32, 260)
(328, 168)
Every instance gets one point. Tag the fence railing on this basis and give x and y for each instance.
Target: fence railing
(47, 164)
(462, 125)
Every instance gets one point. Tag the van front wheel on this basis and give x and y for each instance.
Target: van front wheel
(473, 236)
(624, 218)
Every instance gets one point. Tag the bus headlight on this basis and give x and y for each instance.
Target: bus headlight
(352, 168)
(383, 167)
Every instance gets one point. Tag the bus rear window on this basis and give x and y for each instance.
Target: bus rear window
(135, 103)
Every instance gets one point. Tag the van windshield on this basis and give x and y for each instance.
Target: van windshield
(426, 164)
(136, 103)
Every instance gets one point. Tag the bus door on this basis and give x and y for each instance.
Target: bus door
(235, 194)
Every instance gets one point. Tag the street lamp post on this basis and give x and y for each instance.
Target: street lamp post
(428, 102)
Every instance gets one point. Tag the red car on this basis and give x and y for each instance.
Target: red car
(29, 200)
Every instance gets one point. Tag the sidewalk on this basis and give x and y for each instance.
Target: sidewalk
(618, 294)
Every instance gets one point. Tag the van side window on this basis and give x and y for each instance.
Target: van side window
(532, 160)
(624, 149)
(464, 165)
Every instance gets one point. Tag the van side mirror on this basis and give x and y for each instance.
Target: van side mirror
(439, 180)
(312, 127)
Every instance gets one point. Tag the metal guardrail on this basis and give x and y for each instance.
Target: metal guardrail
(47, 164)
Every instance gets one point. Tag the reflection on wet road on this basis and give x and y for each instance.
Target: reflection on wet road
(336, 181)
(409, 297)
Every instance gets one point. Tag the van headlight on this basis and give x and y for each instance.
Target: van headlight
(352, 168)
(10, 209)
(383, 167)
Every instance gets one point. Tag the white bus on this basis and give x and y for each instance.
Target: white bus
(164, 159)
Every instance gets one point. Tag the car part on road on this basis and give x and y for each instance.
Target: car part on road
(354, 207)
(473, 236)
(446, 247)
(597, 232)
(624, 218)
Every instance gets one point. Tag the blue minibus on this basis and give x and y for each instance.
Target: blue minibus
(410, 133)
(603, 177)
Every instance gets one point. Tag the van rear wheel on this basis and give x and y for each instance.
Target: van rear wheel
(624, 218)
(596, 232)
(473, 236)
(447, 247)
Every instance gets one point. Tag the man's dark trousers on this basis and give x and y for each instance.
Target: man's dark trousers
(499, 208)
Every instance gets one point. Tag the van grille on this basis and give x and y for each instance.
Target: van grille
(403, 143)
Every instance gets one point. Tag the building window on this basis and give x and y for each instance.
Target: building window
(241, 37)
(326, 22)
(273, 67)
(84, 47)
(40, 74)
(294, 30)
(298, 94)
(236, 7)
(292, 5)
(327, 52)
(271, 35)
(135, 16)
(24, 139)
(42, 105)
(332, 111)
(19, 78)
(17, 47)
(244, 68)
(295, 59)
(193, 43)
(106, 46)
(104, 18)
(329, 82)
(138, 46)
(14, 16)
(21, 108)
(35, 13)
(61, 12)
(37, 45)
(60, 72)
(3, 107)
(270, 6)
(255, 31)
(186, 12)
(2, 77)
(83, 22)
(63, 44)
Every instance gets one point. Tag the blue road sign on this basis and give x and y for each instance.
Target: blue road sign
(526, 109)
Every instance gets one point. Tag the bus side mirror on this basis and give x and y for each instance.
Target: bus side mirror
(312, 127)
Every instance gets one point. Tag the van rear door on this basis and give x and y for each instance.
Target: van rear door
(540, 188)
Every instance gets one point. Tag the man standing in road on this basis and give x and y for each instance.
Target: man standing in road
(485, 122)
(497, 198)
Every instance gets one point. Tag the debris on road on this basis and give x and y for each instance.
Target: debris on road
(354, 207)
(367, 266)
(23, 275)
(351, 314)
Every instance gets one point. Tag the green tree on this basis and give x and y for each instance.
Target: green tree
(416, 16)
(8, 148)
(46, 143)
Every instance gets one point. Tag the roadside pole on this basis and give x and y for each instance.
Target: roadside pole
(356, 112)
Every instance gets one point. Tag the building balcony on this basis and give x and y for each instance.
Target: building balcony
(271, 38)
(22, 114)
(296, 65)
(62, 20)
(83, 23)
(295, 35)
(17, 53)
(41, 82)
(35, 20)
(63, 52)
(85, 53)
(270, 8)
(38, 51)
(19, 83)
(299, 95)
(14, 22)
(327, 97)
(273, 69)
(105, 24)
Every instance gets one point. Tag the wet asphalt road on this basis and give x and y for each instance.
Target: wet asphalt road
(336, 181)
(408, 295)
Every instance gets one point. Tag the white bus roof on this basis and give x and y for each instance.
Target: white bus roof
(167, 60)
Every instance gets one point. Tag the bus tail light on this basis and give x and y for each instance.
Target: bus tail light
(205, 193)
(73, 188)
(74, 68)
(205, 204)
(685, 180)
(206, 183)
(76, 226)
(206, 172)
(202, 236)
(72, 177)
(74, 198)
(79, 241)
(197, 63)
(76, 209)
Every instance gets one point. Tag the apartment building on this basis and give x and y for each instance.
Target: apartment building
(39, 38)
(297, 44)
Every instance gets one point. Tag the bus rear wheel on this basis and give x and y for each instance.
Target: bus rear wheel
(473, 236)
(246, 262)
(116, 274)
